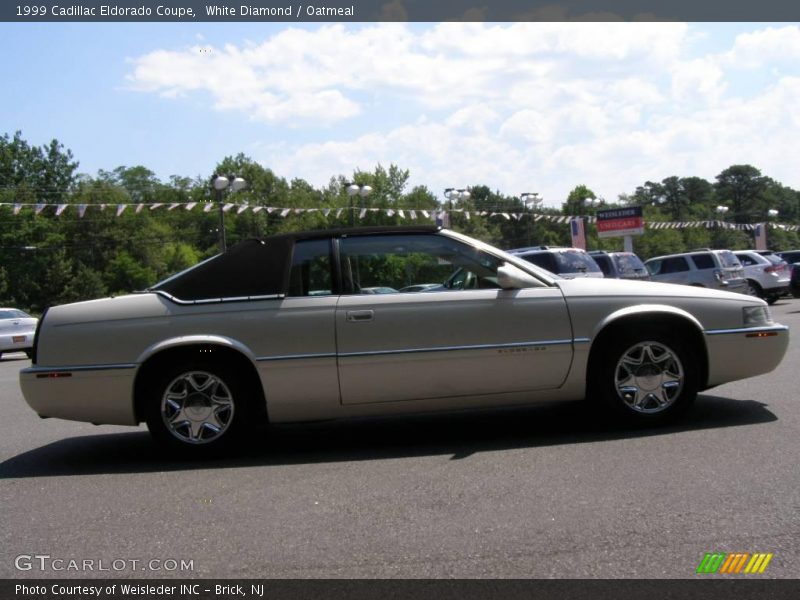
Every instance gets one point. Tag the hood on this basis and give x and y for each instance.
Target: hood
(631, 287)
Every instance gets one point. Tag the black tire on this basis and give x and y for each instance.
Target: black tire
(205, 396)
(658, 390)
(772, 299)
(29, 353)
(753, 289)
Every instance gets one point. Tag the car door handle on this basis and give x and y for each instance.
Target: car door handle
(359, 316)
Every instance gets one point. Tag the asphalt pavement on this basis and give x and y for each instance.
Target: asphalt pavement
(524, 493)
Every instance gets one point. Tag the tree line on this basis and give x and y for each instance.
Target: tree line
(47, 259)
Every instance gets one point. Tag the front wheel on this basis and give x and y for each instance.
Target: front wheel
(198, 408)
(649, 376)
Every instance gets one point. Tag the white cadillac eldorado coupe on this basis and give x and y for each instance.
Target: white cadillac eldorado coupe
(278, 330)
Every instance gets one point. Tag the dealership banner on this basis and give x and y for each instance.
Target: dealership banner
(618, 222)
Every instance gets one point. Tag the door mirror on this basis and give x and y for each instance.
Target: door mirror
(510, 277)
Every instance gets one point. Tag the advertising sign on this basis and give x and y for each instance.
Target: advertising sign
(619, 222)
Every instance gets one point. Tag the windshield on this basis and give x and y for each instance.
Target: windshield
(13, 313)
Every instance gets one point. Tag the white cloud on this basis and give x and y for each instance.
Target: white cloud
(523, 106)
(766, 46)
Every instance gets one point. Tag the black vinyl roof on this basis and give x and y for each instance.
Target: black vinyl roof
(257, 267)
(352, 231)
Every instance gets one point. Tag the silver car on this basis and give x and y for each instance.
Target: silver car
(279, 330)
(715, 269)
(767, 275)
(17, 329)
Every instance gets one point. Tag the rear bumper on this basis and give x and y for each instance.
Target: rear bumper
(24, 341)
(101, 394)
(741, 353)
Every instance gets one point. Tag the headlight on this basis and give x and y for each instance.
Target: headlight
(756, 316)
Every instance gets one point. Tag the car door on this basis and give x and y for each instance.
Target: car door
(467, 337)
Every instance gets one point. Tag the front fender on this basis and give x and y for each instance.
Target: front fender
(645, 309)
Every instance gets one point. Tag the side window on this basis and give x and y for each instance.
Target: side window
(604, 264)
(745, 260)
(544, 260)
(310, 274)
(387, 264)
(674, 264)
(703, 261)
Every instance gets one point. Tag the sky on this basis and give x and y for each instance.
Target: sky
(519, 107)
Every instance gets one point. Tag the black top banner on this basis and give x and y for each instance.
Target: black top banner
(397, 10)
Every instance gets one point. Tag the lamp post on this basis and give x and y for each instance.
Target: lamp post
(356, 189)
(221, 183)
(721, 210)
(531, 200)
(453, 195)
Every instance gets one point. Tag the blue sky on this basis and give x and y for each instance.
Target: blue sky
(519, 107)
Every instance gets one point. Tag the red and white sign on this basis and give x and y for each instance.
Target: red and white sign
(617, 222)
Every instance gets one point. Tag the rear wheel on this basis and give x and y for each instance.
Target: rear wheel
(753, 289)
(199, 408)
(646, 376)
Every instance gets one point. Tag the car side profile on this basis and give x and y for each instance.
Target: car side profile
(278, 330)
(715, 269)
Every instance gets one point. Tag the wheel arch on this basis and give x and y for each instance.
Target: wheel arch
(160, 355)
(672, 318)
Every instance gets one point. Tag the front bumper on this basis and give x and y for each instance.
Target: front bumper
(744, 352)
(100, 394)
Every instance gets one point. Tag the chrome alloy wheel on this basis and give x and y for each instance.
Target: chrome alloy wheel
(197, 407)
(649, 377)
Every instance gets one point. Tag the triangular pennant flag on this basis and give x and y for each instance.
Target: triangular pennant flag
(173, 206)
(426, 214)
(156, 205)
(81, 210)
(121, 208)
(139, 208)
(39, 208)
(401, 214)
(326, 211)
(257, 209)
(363, 213)
(242, 208)
(412, 214)
(190, 205)
(227, 207)
(208, 206)
(270, 210)
(339, 212)
(17, 207)
(60, 209)
(285, 211)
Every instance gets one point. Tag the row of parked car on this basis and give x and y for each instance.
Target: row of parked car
(768, 275)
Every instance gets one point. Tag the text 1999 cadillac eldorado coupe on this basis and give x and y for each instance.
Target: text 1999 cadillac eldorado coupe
(278, 330)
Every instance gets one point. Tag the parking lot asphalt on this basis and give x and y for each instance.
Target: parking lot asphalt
(523, 493)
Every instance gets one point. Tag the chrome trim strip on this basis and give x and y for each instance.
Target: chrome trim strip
(296, 356)
(172, 298)
(581, 341)
(117, 366)
(775, 328)
(454, 348)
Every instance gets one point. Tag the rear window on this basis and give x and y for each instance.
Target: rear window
(13, 313)
(729, 259)
(572, 261)
(628, 263)
(251, 268)
(775, 260)
(704, 261)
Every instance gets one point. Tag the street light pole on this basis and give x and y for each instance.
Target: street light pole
(530, 199)
(221, 183)
(354, 189)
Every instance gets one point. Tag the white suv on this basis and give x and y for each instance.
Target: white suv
(767, 275)
(719, 269)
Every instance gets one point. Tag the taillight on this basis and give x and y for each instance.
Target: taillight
(720, 275)
(36, 336)
(774, 269)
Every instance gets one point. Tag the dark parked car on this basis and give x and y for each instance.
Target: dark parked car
(794, 284)
(566, 262)
(790, 256)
